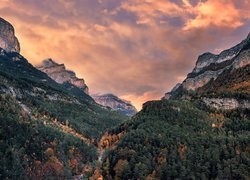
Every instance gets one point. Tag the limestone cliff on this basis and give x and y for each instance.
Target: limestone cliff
(61, 75)
(221, 81)
(210, 66)
(8, 40)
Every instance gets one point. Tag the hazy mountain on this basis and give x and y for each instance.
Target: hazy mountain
(115, 103)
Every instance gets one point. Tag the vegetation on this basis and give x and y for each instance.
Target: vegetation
(232, 83)
(50, 131)
(46, 130)
(176, 140)
(30, 149)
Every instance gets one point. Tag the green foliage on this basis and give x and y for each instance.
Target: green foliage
(176, 140)
(231, 83)
(44, 96)
(24, 141)
(34, 113)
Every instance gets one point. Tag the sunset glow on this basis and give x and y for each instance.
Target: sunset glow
(136, 49)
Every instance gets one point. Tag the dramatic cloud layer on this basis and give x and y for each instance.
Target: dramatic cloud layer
(137, 49)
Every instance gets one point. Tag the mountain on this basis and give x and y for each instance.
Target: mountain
(54, 130)
(200, 130)
(8, 40)
(215, 76)
(48, 131)
(61, 75)
(68, 79)
(115, 103)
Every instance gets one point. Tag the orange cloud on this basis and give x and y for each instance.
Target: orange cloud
(215, 13)
(146, 10)
(140, 100)
(223, 13)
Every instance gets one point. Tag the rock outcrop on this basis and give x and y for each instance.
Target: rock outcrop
(115, 103)
(226, 103)
(8, 40)
(210, 66)
(61, 75)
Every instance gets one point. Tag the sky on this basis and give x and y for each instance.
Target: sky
(135, 49)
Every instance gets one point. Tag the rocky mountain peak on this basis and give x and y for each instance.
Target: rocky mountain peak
(114, 102)
(210, 66)
(61, 75)
(8, 40)
(208, 58)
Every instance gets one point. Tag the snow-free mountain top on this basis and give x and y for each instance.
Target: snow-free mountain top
(8, 40)
(210, 66)
(114, 102)
(60, 74)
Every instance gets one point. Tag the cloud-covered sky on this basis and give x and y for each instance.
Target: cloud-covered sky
(136, 49)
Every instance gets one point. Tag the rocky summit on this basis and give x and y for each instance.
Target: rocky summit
(61, 75)
(8, 40)
(199, 130)
(209, 67)
(115, 103)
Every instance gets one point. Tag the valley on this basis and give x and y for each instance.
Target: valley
(52, 128)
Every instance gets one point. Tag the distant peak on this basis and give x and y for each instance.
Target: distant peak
(116, 103)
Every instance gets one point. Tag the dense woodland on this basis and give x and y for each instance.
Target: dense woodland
(29, 149)
(176, 140)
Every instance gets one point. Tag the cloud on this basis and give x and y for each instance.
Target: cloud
(136, 49)
(221, 13)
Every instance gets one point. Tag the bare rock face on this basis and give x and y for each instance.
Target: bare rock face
(115, 103)
(226, 103)
(61, 75)
(8, 40)
(200, 80)
(210, 66)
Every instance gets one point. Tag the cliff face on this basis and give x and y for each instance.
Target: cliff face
(8, 40)
(61, 75)
(215, 76)
(210, 66)
(112, 101)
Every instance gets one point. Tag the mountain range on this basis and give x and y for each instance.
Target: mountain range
(51, 128)
(61, 75)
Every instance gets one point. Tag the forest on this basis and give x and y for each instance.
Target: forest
(177, 140)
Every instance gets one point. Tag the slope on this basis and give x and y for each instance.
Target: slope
(200, 132)
(46, 129)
